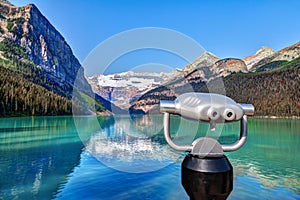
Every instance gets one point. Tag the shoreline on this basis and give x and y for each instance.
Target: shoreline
(108, 114)
(275, 117)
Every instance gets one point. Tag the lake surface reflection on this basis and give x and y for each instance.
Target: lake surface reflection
(127, 158)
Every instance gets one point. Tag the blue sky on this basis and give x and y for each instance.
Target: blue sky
(232, 28)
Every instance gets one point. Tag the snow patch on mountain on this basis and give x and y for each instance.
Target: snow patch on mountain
(123, 88)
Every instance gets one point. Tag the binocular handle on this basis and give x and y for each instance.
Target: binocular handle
(188, 148)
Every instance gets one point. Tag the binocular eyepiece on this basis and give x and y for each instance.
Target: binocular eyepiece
(206, 107)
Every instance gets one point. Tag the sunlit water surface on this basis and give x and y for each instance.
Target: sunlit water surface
(127, 158)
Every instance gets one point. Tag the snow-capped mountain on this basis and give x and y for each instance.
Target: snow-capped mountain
(123, 88)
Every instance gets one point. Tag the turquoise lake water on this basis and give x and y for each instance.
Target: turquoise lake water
(127, 158)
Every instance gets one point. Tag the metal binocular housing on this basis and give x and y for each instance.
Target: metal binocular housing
(206, 107)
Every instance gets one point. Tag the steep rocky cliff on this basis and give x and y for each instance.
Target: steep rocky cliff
(32, 50)
(40, 43)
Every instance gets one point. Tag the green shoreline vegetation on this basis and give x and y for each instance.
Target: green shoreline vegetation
(273, 93)
(21, 82)
(28, 90)
(20, 97)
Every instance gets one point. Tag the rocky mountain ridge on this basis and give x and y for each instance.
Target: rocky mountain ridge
(278, 58)
(210, 79)
(33, 50)
(228, 66)
(206, 59)
(260, 54)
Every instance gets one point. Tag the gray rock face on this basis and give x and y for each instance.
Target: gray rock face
(262, 53)
(205, 60)
(287, 54)
(43, 44)
(227, 66)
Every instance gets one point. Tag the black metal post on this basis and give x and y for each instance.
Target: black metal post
(208, 178)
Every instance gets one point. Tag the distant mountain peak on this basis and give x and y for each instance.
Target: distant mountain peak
(123, 88)
(260, 54)
(207, 56)
(207, 53)
(206, 59)
(264, 50)
(284, 55)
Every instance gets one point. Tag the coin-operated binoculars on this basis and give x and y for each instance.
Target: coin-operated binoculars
(206, 172)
